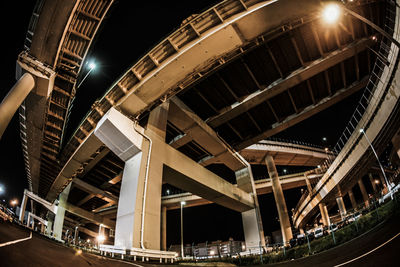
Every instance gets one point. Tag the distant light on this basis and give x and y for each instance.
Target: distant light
(374, 38)
(376, 181)
(331, 13)
(326, 149)
(183, 203)
(100, 238)
(78, 252)
(284, 170)
(319, 166)
(1, 189)
(324, 139)
(361, 130)
(92, 65)
(167, 191)
(88, 240)
(243, 247)
(212, 252)
(14, 202)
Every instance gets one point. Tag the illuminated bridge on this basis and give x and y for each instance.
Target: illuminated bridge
(198, 109)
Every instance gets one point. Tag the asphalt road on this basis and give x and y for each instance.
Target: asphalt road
(39, 251)
(371, 249)
(379, 247)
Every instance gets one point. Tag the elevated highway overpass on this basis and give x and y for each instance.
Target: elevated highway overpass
(228, 78)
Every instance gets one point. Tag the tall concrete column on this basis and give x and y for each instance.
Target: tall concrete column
(363, 192)
(138, 221)
(352, 199)
(59, 220)
(163, 228)
(279, 200)
(13, 100)
(309, 188)
(324, 214)
(49, 226)
(23, 208)
(342, 207)
(252, 223)
(372, 180)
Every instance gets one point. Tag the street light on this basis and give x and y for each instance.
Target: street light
(332, 11)
(1, 189)
(14, 202)
(91, 66)
(183, 203)
(376, 155)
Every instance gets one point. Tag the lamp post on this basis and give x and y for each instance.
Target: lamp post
(182, 204)
(376, 155)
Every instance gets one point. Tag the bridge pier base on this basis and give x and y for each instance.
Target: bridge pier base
(279, 200)
(372, 181)
(352, 199)
(324, 214)
(342, 207)
(59, 219)
(252, 223)
(363, 192)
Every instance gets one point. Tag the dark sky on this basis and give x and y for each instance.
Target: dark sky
(131, 29)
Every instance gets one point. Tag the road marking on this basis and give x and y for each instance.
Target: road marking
(127, 262)
(365, 254)
(16, 241)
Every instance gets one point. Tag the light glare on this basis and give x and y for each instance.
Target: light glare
(331, 13)
(92, 65)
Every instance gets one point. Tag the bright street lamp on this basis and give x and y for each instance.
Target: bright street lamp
(14, 202)
(183, 203)
(376, 155)
(91, 66)
(331, 13)
(1, 189)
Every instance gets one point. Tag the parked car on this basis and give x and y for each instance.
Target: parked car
(318, 232)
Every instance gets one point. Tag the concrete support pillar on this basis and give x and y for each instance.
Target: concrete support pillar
(372, 180)
(138, 221)
(252, 223)
(309, 188)
(164, 228)
(59, 220)
(342, 207)
(28, 221)
(279, 200)
(363, 192)
(324, 214)
(23, 207)
(352, 199)
(49, 227)
(13, 100)
(42, 228)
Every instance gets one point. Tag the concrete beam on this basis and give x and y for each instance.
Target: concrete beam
(182, 117)
(292, 80)
(306, 113)
(107, 196)
(97, 219)
(76, 162)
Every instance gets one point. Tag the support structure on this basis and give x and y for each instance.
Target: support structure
(279, 200)
(163, 228)
(23, 208)
(372, 180)
(363, 192)
(59, 220)
(252, 223)
(342, 207)
(309, 187)
(14, 98)
(324, 214)
(352, 199)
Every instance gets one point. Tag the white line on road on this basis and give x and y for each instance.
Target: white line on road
(15, 241)
(365, 254)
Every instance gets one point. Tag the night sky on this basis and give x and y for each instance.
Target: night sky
(130, 29)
